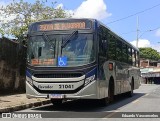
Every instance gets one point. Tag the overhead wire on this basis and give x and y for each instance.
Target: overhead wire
(149, 30)
(134, 14)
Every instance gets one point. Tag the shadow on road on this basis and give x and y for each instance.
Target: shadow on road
(92, 108)
(91, 105)
(87, 108)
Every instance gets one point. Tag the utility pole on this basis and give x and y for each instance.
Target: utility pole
(137, 31)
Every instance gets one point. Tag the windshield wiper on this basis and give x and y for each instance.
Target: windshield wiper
(71, 37)
(48, 40)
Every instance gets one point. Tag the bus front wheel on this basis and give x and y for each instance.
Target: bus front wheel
(111, 92)
(110, 98)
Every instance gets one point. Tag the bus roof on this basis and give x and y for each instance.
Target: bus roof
(118, 36)
(65, 19)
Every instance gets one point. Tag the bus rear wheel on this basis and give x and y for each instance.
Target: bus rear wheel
(56, 102)
(130, 93)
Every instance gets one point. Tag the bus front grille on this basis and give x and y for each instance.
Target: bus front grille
(58, 91)
(58, 75)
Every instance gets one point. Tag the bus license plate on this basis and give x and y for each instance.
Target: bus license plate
(55, 96)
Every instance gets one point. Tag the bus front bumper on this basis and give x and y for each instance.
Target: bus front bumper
(88, 92)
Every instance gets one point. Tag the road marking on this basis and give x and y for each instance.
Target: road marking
(146, 94)
(135, 101)
(111, 114)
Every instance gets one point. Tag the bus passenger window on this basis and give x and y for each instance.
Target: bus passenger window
(124, 53)
(129, 56)
(137, 59)
(103, 47)
(112, 48)
(133, 57)
(118, 50)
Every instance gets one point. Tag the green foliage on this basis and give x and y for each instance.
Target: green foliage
(2, 32)
(21, 14)
(149, 53)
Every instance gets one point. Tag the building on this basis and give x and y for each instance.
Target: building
(150, 71)
(149, 63)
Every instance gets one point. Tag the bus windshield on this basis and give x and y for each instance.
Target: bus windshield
(44, 50)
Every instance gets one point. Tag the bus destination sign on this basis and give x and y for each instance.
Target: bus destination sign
(62, 26)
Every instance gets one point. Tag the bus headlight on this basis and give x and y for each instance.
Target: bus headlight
(29, 80)
(89, 79)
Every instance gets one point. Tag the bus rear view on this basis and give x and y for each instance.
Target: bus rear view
(61, 60)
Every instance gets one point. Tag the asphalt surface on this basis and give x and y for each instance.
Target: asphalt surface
(145, 99)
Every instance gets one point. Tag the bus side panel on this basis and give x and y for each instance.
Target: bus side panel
(137, 78)
(104, 75)
(134, 73)
(103, 81)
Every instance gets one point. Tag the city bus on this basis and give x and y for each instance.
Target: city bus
(71, 59)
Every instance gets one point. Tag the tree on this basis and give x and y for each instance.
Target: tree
(20, 14)
(1, 32)
(149, 53)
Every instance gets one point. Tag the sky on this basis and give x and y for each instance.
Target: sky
(125, 11)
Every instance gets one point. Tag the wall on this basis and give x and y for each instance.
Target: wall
(148, 63)
(12, 67)
(144, 63)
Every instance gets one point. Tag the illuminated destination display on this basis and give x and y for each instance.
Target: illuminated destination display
(42, 61)
(62, 26)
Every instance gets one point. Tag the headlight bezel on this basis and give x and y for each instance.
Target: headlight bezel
(89, 79)
(29, 80)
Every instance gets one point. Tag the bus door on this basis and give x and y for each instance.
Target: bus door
(102, 59)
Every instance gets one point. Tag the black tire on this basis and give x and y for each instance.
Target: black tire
(111, 92)
(130, 93)
(56, 102)
(105, 101)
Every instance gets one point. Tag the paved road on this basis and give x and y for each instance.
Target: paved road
(145, 99)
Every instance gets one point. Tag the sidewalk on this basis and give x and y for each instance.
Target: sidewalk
(17, 102)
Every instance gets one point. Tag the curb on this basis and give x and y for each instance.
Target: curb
(24, 106)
